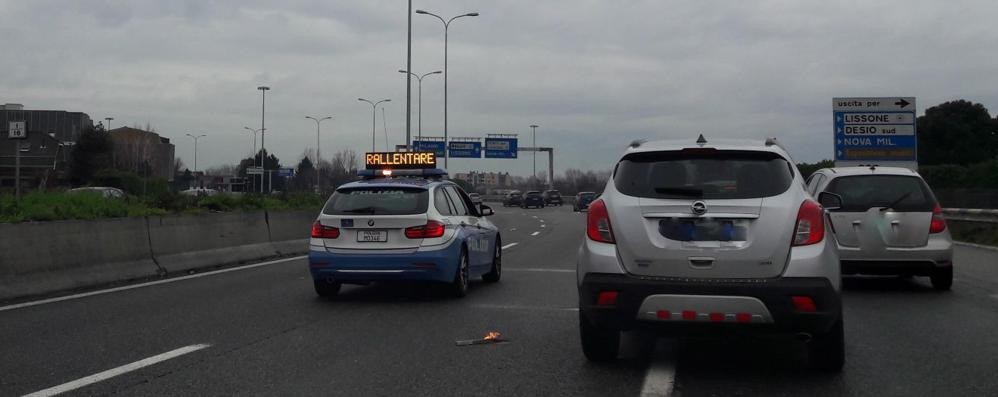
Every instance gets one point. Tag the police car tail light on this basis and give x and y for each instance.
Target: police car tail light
(598, 223)
(431, 229)
(810, 224)
(321, 231)
(938, 224)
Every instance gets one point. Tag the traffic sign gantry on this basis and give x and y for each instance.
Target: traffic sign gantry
(875, 131)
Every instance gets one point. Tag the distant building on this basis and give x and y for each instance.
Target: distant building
(44, 147)
(142, 152)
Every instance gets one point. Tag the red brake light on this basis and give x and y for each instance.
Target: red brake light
(938, 224)
(321, 231)
(598, 223)
(432, 229)
(810, 224)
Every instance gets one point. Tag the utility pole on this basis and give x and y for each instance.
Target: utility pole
(408, 81)
(263, 130)
(318, 153)
(534, 175)
(374, 118)
(17, 171)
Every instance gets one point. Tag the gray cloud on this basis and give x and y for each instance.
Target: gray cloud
(593, 74)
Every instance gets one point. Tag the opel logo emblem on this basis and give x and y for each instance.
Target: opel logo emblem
(370, 222)
(699, 207)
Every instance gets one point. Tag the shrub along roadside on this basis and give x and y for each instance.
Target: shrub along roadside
(49, 206)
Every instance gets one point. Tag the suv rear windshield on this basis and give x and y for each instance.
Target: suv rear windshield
(703, 174)
(377, 201)
(900, 193)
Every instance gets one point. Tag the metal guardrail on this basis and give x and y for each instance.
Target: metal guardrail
(971, 215)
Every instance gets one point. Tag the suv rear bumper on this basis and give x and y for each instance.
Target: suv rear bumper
(774, 294)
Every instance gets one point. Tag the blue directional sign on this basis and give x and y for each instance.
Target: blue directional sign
(434, 146)
(875, 131)
(465, 150)
(500, 148)
(286, 172)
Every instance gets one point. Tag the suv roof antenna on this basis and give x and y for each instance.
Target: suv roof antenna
(701, 140)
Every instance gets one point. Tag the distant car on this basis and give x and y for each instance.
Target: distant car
(199, 191)
(886, 221)
(412, 226)
(582, 201)
(513, 199)
(552, 197)
(533, 199)
(106, 192)
(476, 199)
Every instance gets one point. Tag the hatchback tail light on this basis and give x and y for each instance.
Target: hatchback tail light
(598, 223)
(938, 224)
(810, 224)
(432, 229)
(321, 231)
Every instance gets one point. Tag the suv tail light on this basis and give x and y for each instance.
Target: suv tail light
(938, 224)
(321, 231)
(810, 224)
(431, 229)
(598, 223)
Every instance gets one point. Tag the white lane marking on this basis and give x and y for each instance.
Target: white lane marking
(661, 375)
(535, 216)
(539, 269)
(148, 284)
(510, 245)
(542, 221)
(542, 225)
(521, 307)
(513, 229)
(535, 233)
(99, 377)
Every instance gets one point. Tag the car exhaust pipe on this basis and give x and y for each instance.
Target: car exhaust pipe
(803, 337)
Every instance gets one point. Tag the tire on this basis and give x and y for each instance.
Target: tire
(598, 344)
(942, 278)
(495, 274)
(326, 289)
(826, 352)
(459, 287)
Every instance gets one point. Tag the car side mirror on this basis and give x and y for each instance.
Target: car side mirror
(485, 210)
(830, 201)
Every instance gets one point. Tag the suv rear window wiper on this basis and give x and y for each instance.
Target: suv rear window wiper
(680, 191)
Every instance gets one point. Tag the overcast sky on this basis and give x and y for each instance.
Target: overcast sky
(593, 74)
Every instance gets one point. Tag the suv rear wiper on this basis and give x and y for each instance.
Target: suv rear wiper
(364, 210)
(896, 202)
(680, 191)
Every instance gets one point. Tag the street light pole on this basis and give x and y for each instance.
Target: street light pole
(318, 154)
(446, 29)
(263, 131)
(374, 118)
(196, 137)
(109, 119)
(420, 101)
(254, 142)
(534, 127)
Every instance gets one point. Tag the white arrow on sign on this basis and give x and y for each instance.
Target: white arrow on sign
(840, 153)
(839, 141)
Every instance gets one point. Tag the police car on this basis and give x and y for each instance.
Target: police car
(403, 221)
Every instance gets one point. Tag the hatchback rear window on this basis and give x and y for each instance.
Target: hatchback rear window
(709, 174)
(900, 193)
(377, 201)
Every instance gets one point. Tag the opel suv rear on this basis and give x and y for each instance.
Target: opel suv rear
(709, 239)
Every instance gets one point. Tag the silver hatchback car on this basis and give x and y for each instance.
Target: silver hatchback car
(709, 238)
(886, 221)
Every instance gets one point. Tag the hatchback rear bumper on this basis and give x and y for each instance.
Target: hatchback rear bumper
(882, 267)
(432, 265)
(766, 303)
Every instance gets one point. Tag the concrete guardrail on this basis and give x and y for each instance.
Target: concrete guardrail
(40, 258)
(971, 215)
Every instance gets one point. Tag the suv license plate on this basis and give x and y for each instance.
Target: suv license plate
(369, 236)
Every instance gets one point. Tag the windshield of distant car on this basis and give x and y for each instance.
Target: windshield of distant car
(703, 174)
(377, 201)
(899, 192)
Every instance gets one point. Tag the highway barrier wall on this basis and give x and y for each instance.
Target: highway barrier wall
(41, 258)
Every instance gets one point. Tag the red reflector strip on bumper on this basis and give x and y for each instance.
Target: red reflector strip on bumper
(607, 298)
(804, 304)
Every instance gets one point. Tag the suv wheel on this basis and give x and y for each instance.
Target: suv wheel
(326, 289)
(942, 278)
(598, 344)
(495, 274)
(826, 352)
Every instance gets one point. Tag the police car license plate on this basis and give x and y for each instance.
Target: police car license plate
(372, 236)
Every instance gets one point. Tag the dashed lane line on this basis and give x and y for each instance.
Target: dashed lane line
(661, 375)
(535, 233)
(539, 269)
(510, 245)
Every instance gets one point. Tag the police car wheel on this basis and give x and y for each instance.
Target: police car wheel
(495, 274)
(326, 289)
(459, 287)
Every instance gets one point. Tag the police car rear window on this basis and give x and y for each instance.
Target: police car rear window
(900, 193)
(703, 174)
(377, 201)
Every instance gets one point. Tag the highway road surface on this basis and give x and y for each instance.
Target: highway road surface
(261, 330)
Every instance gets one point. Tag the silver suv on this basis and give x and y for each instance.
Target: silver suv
(709, 238)
(886, 221)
